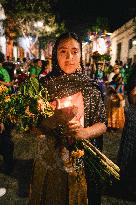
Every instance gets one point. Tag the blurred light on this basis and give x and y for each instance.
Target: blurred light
(2, 13)
(48, 28)
(134, 42)
(38, 24)
(109, 34)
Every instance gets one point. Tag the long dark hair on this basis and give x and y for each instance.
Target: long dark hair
(56, 70)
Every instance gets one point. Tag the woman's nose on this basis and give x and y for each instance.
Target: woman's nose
(69, 55)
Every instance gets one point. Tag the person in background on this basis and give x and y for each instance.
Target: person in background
(114, 71)
(100, 77)
(10, 67)
(5, 77)
(6, 144)
(44, 70)
(126, 158)
(36, 68)
(7, 147)
(54, 174)
(115, 103)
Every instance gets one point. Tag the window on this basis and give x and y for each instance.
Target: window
(118, 51)
(134, 59)
(130, 44)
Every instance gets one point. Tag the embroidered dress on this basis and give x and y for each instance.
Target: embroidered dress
(55, 181)
(115, 107)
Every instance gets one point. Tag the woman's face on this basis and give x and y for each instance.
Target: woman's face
(116, 70)
(68, 55)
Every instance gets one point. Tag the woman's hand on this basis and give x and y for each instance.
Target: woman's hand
(76, 130)
(61, 117)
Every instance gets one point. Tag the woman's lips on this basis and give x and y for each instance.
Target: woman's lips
(69, 64)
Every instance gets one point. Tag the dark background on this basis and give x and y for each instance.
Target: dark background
(79, 15)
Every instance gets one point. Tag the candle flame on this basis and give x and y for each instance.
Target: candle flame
(67, 102)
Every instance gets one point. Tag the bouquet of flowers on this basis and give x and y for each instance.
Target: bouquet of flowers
(99, 164)
(21, 108)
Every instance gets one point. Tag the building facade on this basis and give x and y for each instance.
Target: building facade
(123, 43)
(2, 31)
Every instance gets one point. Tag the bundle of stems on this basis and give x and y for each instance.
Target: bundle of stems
(107, 170)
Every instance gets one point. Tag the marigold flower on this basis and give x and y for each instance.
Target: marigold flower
(42, 105)
(7, 98)
(3, 88)
(27, 111)
(78, 153)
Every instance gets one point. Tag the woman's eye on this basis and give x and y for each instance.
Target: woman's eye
(62, 51)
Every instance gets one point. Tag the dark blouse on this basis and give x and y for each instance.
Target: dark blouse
(127, 150)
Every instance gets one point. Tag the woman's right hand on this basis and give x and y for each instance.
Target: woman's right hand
(60, 117)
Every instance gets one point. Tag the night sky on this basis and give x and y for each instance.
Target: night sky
(78, 14)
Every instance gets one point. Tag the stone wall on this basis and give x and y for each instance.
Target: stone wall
(123, 36)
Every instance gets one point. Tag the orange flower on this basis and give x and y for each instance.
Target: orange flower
(3, 88)
(7, 98)
(27, 111)
(78, 153)
(42, 105)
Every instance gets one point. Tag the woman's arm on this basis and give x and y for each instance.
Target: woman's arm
(79, 132)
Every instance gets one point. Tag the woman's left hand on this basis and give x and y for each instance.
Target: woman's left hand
(76, 130)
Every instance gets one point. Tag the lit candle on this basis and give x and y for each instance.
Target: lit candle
(65, 102)
(68, 102)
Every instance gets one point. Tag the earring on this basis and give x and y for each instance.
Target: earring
(79, 67)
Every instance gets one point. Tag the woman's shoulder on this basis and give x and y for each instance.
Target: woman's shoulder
(95, 88)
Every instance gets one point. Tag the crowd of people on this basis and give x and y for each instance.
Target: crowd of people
(100, 96)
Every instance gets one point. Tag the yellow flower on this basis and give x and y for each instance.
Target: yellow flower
(13, 119)
(3, 88)
(7, 98)
(78, 153)
(27, 111)
(42, 105)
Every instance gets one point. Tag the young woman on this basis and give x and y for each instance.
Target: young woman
(54, 178)
(115, 103)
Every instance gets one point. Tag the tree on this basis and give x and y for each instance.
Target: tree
(100, 25)
(22, 16)
(30, 18)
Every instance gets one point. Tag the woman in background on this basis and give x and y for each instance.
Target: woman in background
(115, 103)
